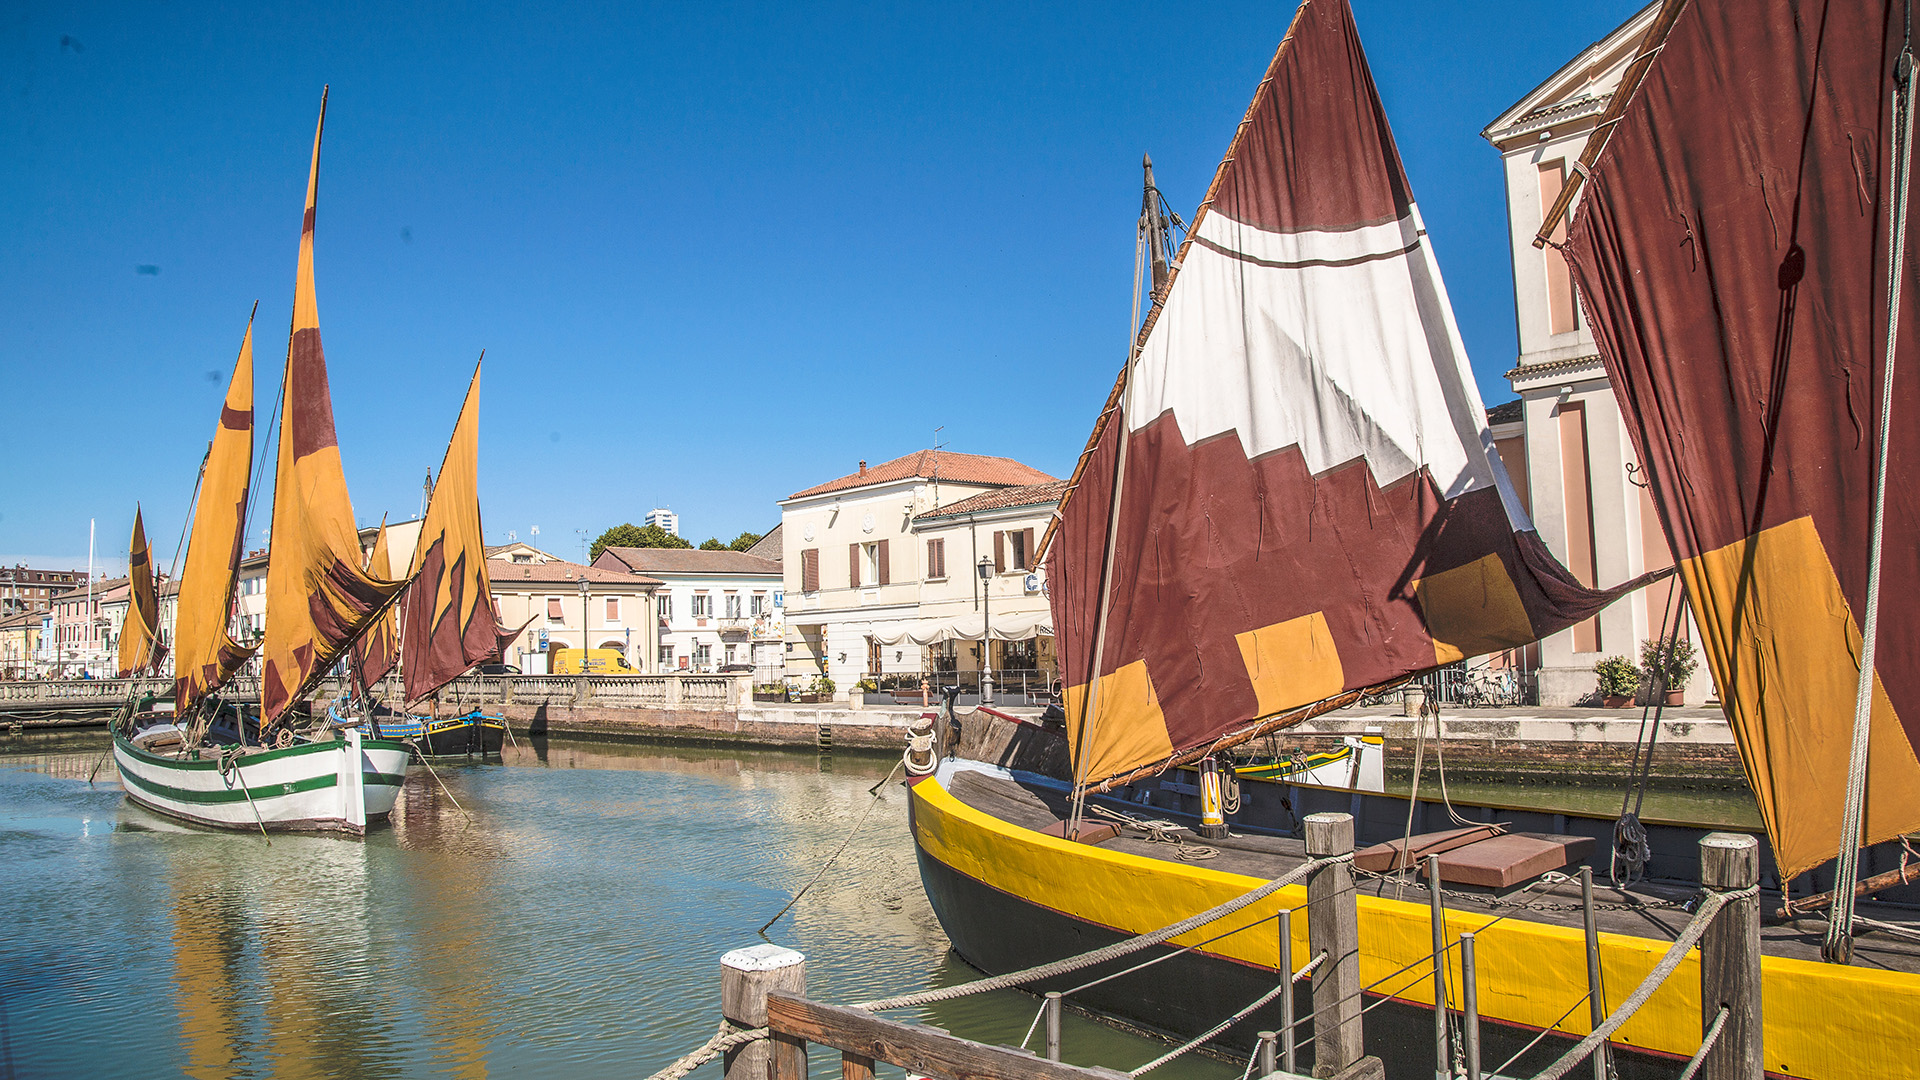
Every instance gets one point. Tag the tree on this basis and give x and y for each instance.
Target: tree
(712, 543)
(745, 540)
(631, 535)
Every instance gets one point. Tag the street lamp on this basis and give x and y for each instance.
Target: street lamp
(586, 613)
(986, 631)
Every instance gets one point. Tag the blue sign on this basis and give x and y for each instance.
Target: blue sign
(779, 598)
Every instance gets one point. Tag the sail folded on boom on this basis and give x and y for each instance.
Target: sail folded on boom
(1311, 503)
(140, 634)
(318, 598)
(1730, 249)
(378, 650)
(451, 623)
(205, 655)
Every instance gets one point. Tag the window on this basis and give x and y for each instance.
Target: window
(554, 612)
(936, 559)
(1012, 550)
(810, 570)
(702, 657)
(732, 652)
(666, 658)
(702, 606)
(733, 605)
(758, 605)
(665, 600)
(613, 612)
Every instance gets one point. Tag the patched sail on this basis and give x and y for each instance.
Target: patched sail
(451, 624)
(318, 597)
(205, 655)
(140, 634)
(1310, 502)
(1731, 252)
(378, 650)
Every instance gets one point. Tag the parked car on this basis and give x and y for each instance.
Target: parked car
(736, 669)
(497, 669)
(597, 662)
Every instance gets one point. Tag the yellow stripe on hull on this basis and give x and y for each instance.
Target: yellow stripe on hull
(1822, 1021)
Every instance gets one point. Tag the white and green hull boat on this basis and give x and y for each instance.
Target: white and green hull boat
(332, 785)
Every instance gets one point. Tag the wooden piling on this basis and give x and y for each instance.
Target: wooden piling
(1333, 928)
(1730, 959)
(746, 977)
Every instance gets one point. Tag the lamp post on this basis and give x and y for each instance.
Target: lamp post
(986, 631)
(586, 613)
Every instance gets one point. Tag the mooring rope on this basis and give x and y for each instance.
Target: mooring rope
(1110, 952)
(874, 791)
(1157, 832)
(723, 1040)
(1284, 986)
(1676, 952)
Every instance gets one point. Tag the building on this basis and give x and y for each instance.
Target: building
(768, 546)
(664, 518)
(553, 601)
(1576, 473)
(75, 636)
(1000, 530)
(20, 644)
(856, 558)
(113, 615)
(23, 588)
(718, 610)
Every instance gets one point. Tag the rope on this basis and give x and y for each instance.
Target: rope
(824, 867)
(1158, 832)
(1544, 1032)
(1838, 947)
(1110, 952)
(723, 1040)
(421, 753)
(1284, 986)
(230, 771)
(1706, 1044)
(1675, 953)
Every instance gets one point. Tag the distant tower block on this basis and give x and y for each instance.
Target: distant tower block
(664, 518)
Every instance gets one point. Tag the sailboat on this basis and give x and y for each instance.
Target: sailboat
(140, 648)
(1290, 501)
(213, 763)
(451, 623)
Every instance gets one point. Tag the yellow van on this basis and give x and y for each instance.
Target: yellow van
(598, 662)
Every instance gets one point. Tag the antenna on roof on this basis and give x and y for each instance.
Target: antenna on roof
(937, 444)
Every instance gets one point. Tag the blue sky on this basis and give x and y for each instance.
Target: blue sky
(715, 252)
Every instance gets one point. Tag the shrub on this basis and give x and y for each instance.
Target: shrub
(1618, 677)
(1671, 657)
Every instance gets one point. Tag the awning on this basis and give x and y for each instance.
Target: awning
(963, 628)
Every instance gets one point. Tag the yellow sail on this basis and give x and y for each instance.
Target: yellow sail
(451, 624)
(318, 598)
(140, 634)
(205, 655)
(379, 649)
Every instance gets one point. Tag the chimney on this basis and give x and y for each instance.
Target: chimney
(863, 467)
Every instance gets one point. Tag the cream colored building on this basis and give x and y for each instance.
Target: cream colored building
(1577, 471)
(856, 559)
(716, 608)
(616, 609)
(20, 644)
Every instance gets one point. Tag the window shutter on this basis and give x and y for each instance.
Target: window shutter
(1029, 559)
(613, 615)
(940, 549)
(886, 571)
(810, 570)
(853, 566)
(553, 609)
(999, 552)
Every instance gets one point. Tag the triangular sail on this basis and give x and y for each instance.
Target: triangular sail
(140, 634)
(1731, 251)
(205, 655)
(1311, 504)
(318, 597)
(378, 650)
(451, 623)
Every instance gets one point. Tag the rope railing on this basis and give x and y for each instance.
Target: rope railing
(727, 1038)
(1111, 952)
(1689, 936)
(1706, 1043)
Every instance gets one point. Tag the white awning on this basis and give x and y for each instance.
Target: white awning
(963, 628)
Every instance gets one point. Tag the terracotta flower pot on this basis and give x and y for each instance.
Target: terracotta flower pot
(1616, 701)
(1677, 697)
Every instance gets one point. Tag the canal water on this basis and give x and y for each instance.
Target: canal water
(560, 914)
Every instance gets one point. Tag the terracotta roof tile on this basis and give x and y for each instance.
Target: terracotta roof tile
(560, 572)
(921, 464)
(686, 561)
(1004, 499)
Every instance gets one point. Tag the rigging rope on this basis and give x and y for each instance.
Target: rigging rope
(1110, 952)
(1838, 947)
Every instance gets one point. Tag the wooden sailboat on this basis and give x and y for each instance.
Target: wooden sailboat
(1290, 500)
(212, 763)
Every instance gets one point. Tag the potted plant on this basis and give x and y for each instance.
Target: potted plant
(1670, 662)
(1619, 681)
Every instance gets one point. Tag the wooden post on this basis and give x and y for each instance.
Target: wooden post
(746, 976)
(1730, 958)
(1333, 928)
(855, 1067)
